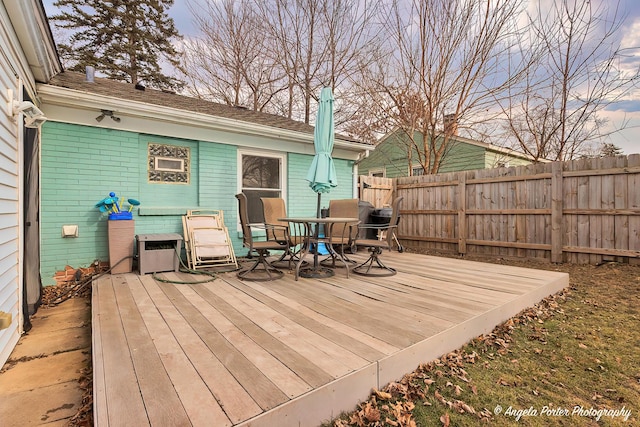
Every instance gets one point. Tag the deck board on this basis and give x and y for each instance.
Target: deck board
(306, 318)
(162, 403)
(123, 404)
(276, 371)
(263, 391)
(303, 367)
(165, 326)
(287, 352)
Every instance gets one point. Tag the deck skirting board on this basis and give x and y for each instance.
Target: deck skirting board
(323, 403)
(393, 367)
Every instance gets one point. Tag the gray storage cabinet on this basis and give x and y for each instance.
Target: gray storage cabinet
(159, 252)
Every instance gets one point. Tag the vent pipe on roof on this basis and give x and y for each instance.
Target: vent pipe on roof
(90, 72)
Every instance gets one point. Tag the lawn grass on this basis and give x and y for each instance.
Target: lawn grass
(566, 362)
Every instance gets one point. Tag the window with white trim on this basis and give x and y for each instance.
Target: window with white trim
(262, 175)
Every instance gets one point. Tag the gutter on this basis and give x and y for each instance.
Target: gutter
(32, 28)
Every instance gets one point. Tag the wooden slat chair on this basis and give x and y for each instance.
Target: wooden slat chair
(274, 208)
(261, 270)
(373, 266)
(341, 235)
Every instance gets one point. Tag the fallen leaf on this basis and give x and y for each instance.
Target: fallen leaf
(582, 345)
(444, 419)
(440, 398)
(383, 395)
(468, 408)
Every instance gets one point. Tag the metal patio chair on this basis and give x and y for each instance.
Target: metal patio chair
(341, 235)
(373, 266)
(274, 208)
(261, 269)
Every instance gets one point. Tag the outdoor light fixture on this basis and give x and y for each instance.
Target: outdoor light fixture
(107, 113)
(33, 116)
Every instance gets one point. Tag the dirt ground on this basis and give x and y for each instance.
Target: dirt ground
(78, 380)
(47, 379)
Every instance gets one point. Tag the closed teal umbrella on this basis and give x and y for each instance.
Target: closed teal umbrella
(322, 173)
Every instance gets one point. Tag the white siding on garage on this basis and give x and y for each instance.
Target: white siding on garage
(10, 153)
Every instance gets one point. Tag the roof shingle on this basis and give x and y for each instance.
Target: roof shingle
(127, 91)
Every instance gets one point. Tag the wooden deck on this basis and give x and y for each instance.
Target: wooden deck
(287, 352)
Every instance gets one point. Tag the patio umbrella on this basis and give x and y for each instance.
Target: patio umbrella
(322, 173)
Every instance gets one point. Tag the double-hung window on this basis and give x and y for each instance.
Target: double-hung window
(262, 175)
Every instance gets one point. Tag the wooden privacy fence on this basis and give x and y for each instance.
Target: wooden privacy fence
(582, 211)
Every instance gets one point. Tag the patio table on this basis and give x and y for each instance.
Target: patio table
(310, 228)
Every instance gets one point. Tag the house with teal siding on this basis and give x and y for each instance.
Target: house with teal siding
(170, 152)
(389, 157)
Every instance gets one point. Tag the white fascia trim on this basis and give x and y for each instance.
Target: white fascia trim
(32, 28)
(70, 98)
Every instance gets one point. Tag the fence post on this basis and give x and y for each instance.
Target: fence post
(556, 212)
(462, 218)
(633, 202)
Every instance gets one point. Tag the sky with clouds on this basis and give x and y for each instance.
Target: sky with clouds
(625, 113)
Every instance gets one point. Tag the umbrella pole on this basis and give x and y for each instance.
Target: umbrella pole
(317, 234)
(318, 207)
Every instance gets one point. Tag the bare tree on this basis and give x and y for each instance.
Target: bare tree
(228, 63)
(577, 73)
(445, 60)
(274, 56)
(320, 43)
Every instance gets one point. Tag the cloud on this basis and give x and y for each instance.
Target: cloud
(628, 106)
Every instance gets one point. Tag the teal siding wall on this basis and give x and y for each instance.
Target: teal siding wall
(82, 164)
(301, 199)
(79, 167)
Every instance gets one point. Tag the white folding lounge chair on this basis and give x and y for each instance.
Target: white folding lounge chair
(206, 240)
